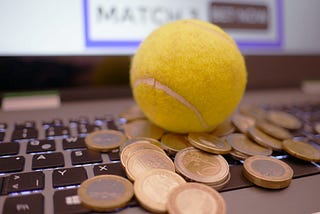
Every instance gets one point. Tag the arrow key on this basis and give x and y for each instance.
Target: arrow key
(24, 182)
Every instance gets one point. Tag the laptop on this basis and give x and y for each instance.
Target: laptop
(55, 92)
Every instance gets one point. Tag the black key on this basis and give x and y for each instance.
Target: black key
(67, 201)
(73, 143)
(3, 126)
(2, 134)
(24, 182)
(26, 124)
(114, 155)
(110, 169)
(49, 160)
(55, 122)
(24, 134)
(85, 157)
(84, 129)
(25, 204)
(12, 164)
(41, 146)
(57, 132)
(68, 176)
(9, 148)
(111, 124)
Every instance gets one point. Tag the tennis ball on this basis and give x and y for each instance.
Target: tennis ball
(188, 76)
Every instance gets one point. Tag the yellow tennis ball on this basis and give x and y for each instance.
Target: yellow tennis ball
(188, 76)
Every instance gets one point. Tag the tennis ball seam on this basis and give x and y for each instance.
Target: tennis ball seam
(158, 85)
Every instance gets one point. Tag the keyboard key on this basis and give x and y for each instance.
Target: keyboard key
(57, 132)
(24, 182)
(25, 204)
(9, 148)
(67, 201)
(84, 129)
(24, 134)
(12, 164)
(114, 155)
(111, 124)
(73, 143)
(52, 123)
(68, 176)
(2, 134)
(85, 157)
(41, 146)
(110, 169)
(49, 160)
(26, 124)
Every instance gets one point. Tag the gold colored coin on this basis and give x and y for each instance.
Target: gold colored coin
(267, 172)
(138, 145)
(284, 119)
(152, 188)
(253, 111)
(104, 140)
(209, 143)
(142, 128)
(225, 128)
(243, 144)
(242, 123)
(302, 150)
(145, 160)
(200, 166)
(105, 193)
(264, 139)
(172, 143)
(134, 113)
(274, 130)
(238, 155)
(190, 198)
(137, 139)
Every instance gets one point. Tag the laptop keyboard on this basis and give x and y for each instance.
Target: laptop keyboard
(45, 161)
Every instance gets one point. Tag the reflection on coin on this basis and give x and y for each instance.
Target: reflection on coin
(264, 139)
(243, 144)
(200, 166)
(136, 139)
(224, 128)
(105, 193)
(284, 119)
(138, 145)
(242, 123)
(273, 130)
(267, 172)
(142, 128)
(209, 143)
(190, 198)
(302, 150)
(172, 143)
(152, 188)
(252, 111)
(104, 140)
(146, 159)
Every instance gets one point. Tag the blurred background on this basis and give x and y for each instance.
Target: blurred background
(88, 44)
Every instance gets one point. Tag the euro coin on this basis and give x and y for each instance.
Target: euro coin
(105, 193)
(253, 111)
(264, 139)
(152, 188)
(145, 160)
(238, 155)
(267, 172)
(274, 130)
(142, 128)
(283, 119)
(172, 143)
(200, 166)
(138, 145)
(139, 139)
(302, 150)
(104, 140)
(190, 198)
(223, 129)
(134, 113)
(243, 144)
(242, 123)
(209, 143)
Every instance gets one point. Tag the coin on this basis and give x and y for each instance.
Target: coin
(172, 143)
(134, 113)
(190, 198)
(136, 139)
(283, 119)
(243, 144)
(274, 130)
(238, 155)
(104, 140)
(138, 145)
(142, 128)
(200, 166)
(153, 187)
(209, 143)
(242, 123)
(223, 129)
(302, 150)
(252, 111)
(145, 160)
(264, 139)
(267, 172)
(105, 193)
